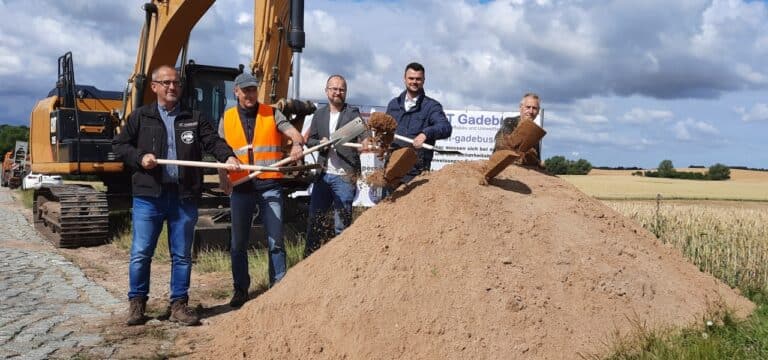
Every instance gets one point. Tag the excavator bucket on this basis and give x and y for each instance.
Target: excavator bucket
(400, 162)
(515, 146)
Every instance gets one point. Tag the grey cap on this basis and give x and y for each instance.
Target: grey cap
(245, 80)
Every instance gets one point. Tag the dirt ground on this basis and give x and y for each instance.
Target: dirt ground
(528, 267)
(108, 266)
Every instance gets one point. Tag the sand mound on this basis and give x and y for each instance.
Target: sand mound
(528, 267)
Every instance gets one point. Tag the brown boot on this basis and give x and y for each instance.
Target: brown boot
(181, 313)
(136, 311)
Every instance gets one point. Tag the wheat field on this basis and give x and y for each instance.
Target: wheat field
(727, 240)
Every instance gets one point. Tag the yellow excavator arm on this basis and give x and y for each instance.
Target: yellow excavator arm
(165, 36)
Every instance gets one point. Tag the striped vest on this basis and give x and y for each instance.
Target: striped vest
(264, 150)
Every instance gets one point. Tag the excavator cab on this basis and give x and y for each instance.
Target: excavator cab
(208, 89)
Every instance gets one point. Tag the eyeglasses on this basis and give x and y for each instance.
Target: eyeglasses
(167, 83)
(334, 89)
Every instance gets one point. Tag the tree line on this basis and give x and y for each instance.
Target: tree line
(559, 165)
(667, 170)
(9, 134)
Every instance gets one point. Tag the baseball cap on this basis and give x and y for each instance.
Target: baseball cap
(245, 80)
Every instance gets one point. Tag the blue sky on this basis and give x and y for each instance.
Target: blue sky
(623, 83)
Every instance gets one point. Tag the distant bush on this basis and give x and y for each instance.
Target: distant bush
(559, 165)
(719, 172)
(666, 169)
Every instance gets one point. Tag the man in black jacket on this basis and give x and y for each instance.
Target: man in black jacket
(335, 185)
(169, 193)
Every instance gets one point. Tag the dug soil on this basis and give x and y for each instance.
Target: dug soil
(526, 267)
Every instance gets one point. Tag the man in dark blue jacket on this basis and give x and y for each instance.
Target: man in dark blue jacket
(419, 117)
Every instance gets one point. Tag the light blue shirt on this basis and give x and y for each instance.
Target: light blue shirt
(170, 172)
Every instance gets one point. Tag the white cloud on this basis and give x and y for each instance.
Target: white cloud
(747, 73)
(554, 118)
(646, 116)
(576, 135)
(690, 129)
(244, 18)
(759, 112)
(590, 111)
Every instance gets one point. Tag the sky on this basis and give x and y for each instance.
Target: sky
(622, 83)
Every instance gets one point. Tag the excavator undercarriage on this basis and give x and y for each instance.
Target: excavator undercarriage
(71, 215)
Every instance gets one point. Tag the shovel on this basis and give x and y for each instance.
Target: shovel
(212, 165)
(515, 146)
(429, 147)
(343, 135)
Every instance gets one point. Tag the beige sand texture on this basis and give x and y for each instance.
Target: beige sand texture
(528, 267)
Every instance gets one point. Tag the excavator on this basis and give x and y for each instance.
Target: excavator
(71, 130)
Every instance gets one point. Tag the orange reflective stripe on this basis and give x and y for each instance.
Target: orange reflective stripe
(266, 145)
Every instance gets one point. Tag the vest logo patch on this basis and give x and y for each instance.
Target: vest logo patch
(188, 137)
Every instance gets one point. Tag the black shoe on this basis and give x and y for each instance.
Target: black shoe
(239, 298)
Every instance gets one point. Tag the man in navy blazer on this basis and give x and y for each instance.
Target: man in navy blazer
(336, 184)
(419, 117)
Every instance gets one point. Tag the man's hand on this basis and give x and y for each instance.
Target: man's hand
(367, 145)
(297, 152)
(233, 163)
(148, 161)
(419, 140)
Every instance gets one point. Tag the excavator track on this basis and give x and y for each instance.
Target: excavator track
(71, 216)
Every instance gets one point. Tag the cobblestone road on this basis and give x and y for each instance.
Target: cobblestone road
(48, 308)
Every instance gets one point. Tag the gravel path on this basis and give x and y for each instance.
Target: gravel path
(48, 308)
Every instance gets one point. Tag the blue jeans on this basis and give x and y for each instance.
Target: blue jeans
(329, 191)
(242, 205)
(149, 213)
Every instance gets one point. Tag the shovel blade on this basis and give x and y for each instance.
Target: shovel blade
(348, 132)
(498, 162)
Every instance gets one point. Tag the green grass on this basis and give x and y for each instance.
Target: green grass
(211, 261)
(726, 338)
(27, 197)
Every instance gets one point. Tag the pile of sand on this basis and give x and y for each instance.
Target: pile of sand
(528, 267)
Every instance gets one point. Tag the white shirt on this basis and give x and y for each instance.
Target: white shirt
(410, 103)
(335, 165)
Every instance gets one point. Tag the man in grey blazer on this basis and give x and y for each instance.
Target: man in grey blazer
(335, 186)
